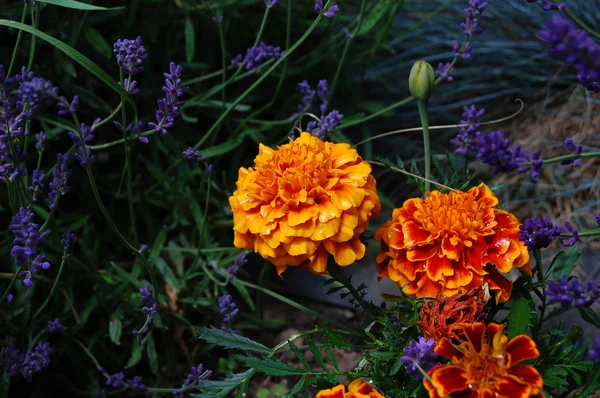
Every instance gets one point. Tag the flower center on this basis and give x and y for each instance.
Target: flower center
(485, 370)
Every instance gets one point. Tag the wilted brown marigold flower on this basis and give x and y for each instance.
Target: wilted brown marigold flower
(304, 201)
(450, 243)
(446, 316)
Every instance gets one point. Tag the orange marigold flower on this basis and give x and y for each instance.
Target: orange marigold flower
(359, 388)
(304, 201)
(486, 368)
(450, 243)
(446, 316)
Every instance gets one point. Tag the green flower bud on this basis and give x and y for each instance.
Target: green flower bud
(421, 80)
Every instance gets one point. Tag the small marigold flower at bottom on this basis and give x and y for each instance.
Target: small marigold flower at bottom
(359, 388)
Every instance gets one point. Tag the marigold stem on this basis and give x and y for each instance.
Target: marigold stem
(422, 105)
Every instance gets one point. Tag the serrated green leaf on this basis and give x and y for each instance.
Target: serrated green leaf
(190, 39)
(315, 350)
(222, 388)
(565, 263)
(335, 340)
(519, 319)
(374, 16)
(330, 356)
(97, 41)
(152, 355)
(297, 388)
(229, 340)
(268, 366)
(115, 327)
(136, 355)
(77, 5)
(76, 56)
(396, 366)
(299, 354)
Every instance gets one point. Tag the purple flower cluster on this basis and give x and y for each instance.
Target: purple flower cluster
(328, 121)
(38, 179)
(234, 268)
(194, 155)
(14, 361)
(330, 12)
(473, 16)
(40, 141)
(26, 245)
(549, 6)
(257, 55)
(538, 233)
(444, 71)
(571, 292)
(58, 186)
(228, 310)
(594, 352)
(84, 153)
(465, 141)
(130, 54)
(55, 326)
(136, 383)
(575, 47)
(68, 240)
(168, 107)
(67, 108)
(570, 145)
(116, 380)
(197, 375)
(495, 150)
(419, 354)
(149, 308)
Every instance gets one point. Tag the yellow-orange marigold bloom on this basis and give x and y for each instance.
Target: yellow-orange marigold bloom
(304, 201)
(450, 243)
(359, 388)
(486, 368)
(446, 316)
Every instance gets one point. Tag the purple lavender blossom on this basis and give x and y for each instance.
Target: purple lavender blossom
(55, 326)
(26, 245)
(58, 186)
(598, 219)
(444, 71)
(329, 122)
(538, 233)
(84, 153)
(36, 360)
(194, 155)
(594, 352)
(116, 380)
(571, 292)
(257, 55)
(228, 310)
(419, 354)
(65, 107)
(324, 94)
(572, 240)
(40, 141)
(575, 47)
(465, 141)
(473, 15)
(130, 54)
(549, 6)
(130, 86)
(37, 184)
(536, 165)
(11, 360)
(149, 308)
(464, 52)
(330, 12)
(570, 145)
(197, 375)
(136, 383)
(234, 268)
(9, 298)
(308, 96)
(168, 107)
(270, 3)
(493, 149)
(68, 240)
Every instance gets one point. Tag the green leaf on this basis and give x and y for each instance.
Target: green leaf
(190, 39)
(297, 388)
(564, 264)
(216, 104)
(115, 327)
(244, 293)
(299, 354)
(268, 366)
(335, 340)
(168, 275)
(518, 319)
(374, 16)
(224, 147)
(76, 56)
(222, 388)
(136, 355)
(590, 316)
(152, 355)
(158, 245)
(97, 41)
(330, 356)
(315, 350)
(77, 5)
(229, 340)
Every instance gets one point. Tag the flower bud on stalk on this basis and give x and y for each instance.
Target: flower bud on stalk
(421, 80)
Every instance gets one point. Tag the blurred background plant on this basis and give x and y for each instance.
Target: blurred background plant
(143, 203)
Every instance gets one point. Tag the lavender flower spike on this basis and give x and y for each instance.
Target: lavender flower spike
(228, 310)
(419, 354)
(168, 107)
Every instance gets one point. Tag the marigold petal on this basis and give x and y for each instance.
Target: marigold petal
(428, 288)
(414, 234)
(501, 286)
(301, 214)
(484, 194)
(446, 349)
(243, 241)
(273, 239)
(336, 392)
(395, 236)
(345, 197)
(318, 261)
(439, 267)
(522, 348)
(301, 246)
(508, 387)
(304, 230)
(450, 250)
(429, 387)
(343, 253)
(462, 277)
(357, 173)
(421, 253)
(326, 230)
(356, 385)
(327, 210)
(449, 379)
(475, 332)
(528, 374)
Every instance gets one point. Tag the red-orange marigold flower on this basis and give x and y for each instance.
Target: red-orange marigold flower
(359, 388)
(486, 368)
(450, 243)
(304, 201)
(446, 316)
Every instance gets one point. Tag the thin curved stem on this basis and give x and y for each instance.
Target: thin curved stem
(582, 24)
(559, 159)
(411, 175)
(54, 285)
(11, 283)
(35, 21)
(422, 105)
(17, 43)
